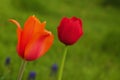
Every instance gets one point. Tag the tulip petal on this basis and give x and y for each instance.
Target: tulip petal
(63, 22)
(77, 22)
(62, 26)
(32, 27)
(74, 32)
(38, 46)
(77, 19)
(27, 32)
(39, 27)
(47, 43)
(19, 32)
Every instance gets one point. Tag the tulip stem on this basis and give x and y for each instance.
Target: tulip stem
(22, 68)
(62, 64)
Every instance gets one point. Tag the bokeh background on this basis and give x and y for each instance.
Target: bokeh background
(96, 56)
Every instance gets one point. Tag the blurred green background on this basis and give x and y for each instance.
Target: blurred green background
(96, 56)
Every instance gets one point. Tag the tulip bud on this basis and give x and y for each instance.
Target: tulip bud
(70, 30)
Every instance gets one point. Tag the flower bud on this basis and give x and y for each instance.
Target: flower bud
(70, 30)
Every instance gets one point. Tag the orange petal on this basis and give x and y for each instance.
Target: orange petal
(27, 31)
(38, 46)
(19, 32)
(39, 27)
(15, 22)
(47, 43)
(32, 27)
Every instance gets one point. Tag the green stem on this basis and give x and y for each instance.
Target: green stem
(62, 64)
(22, 68)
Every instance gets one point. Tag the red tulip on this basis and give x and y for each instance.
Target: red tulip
(33, 40)
(70, 30)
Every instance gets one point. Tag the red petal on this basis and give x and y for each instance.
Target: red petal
(61, 28)
(77, 19)
(72, 33)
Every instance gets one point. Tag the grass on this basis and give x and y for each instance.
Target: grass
(94, 57)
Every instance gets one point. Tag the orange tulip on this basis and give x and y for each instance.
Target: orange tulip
(33, 40)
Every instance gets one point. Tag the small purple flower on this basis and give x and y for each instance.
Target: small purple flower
(32, 75)
(54, 70)
(54, 67)
(7, 61)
